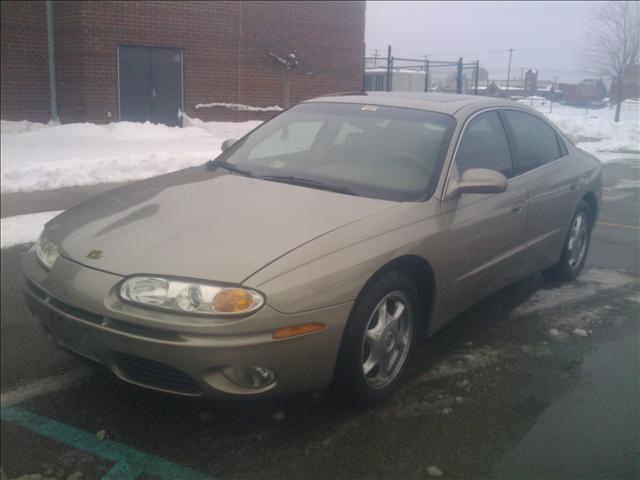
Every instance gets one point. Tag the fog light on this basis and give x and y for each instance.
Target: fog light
(249, 376)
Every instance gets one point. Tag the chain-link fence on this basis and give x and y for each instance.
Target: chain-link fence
(399, 74)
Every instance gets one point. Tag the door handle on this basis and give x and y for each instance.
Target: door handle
(519, 208)
(154, 94)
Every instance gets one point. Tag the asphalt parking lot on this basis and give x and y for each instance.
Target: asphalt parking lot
(507, 390)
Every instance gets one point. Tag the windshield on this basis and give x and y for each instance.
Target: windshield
(382, 152)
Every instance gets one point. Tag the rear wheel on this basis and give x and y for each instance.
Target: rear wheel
(378, 340)
(576, 245)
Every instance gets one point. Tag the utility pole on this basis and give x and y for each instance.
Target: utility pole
(509, 70)
(459, 77)
(389, 69)
(375, 57)
(426, 73)
(477, 75)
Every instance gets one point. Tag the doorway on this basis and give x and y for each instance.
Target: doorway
(150, 84)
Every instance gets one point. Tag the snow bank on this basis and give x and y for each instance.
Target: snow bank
(23, 228)
(595, 132)
(36, 156)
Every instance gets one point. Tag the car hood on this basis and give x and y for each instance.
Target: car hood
(200, 224)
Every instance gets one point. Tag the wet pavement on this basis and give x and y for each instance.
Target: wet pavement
(507, 390)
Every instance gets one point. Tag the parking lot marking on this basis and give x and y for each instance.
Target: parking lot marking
(129, 462)
(619, 225)
(42, 386)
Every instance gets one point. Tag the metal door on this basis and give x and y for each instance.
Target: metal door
(150, 84)
(166, 85)
(134, 83)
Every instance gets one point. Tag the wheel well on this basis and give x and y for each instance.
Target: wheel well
(420, 271)
(592, 201)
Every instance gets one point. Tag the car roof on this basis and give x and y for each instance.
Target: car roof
(448, 103)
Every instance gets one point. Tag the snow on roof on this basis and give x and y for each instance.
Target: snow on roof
(240, 106)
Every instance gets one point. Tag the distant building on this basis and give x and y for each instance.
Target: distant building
(543, 89)
(401, 81)
(483, 76)
(631, 84)
(585, 93)
(531, 82)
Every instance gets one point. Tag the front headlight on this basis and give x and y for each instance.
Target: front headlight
(47, 251)
(189, 297)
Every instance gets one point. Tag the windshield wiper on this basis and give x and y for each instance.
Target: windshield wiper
(213, 164)
(307, 182)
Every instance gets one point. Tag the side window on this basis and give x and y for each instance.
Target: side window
(297, 137)
(484, 145)
(536, 141)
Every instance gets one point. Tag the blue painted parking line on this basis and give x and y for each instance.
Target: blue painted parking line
(129, 462)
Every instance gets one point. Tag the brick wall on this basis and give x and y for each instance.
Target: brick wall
(24, 82)
(225, 51)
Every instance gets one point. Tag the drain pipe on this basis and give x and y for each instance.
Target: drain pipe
(52, 63)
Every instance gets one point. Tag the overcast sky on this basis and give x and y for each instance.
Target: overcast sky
(544, 35)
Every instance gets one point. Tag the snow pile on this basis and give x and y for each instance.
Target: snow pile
(602, 138)
(240, 106)
(7, 126)
(36, 156)
(589, 283)
(461, 363)
(23, 229)
(595, 131)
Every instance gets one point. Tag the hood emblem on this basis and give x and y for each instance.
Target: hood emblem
(94, 254)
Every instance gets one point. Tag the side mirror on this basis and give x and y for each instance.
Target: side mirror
(227, 143)
(478, 180)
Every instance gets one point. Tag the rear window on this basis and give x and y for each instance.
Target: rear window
(536, 142)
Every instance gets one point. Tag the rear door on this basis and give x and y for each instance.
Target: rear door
(543, 165)
(486, 231)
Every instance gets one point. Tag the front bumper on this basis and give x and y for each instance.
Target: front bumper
(79, 307)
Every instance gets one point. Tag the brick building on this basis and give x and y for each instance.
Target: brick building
(588, 92)
(151, 60)
(630, 84)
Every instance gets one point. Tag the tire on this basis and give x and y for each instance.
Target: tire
(575, 249)
(383, 348)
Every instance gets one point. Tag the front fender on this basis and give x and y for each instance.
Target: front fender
(333, 270)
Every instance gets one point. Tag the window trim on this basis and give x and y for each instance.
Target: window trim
(499, 109)
(507, 137)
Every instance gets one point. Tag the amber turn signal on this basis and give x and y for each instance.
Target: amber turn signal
(294, 331)
(233, 300)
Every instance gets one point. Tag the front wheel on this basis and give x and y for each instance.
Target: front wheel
(576, 246)
(378, 340)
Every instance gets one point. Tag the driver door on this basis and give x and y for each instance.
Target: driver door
(487, 232)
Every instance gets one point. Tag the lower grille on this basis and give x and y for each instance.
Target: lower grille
(156, 374)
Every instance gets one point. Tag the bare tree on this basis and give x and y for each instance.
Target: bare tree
(612, 44)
